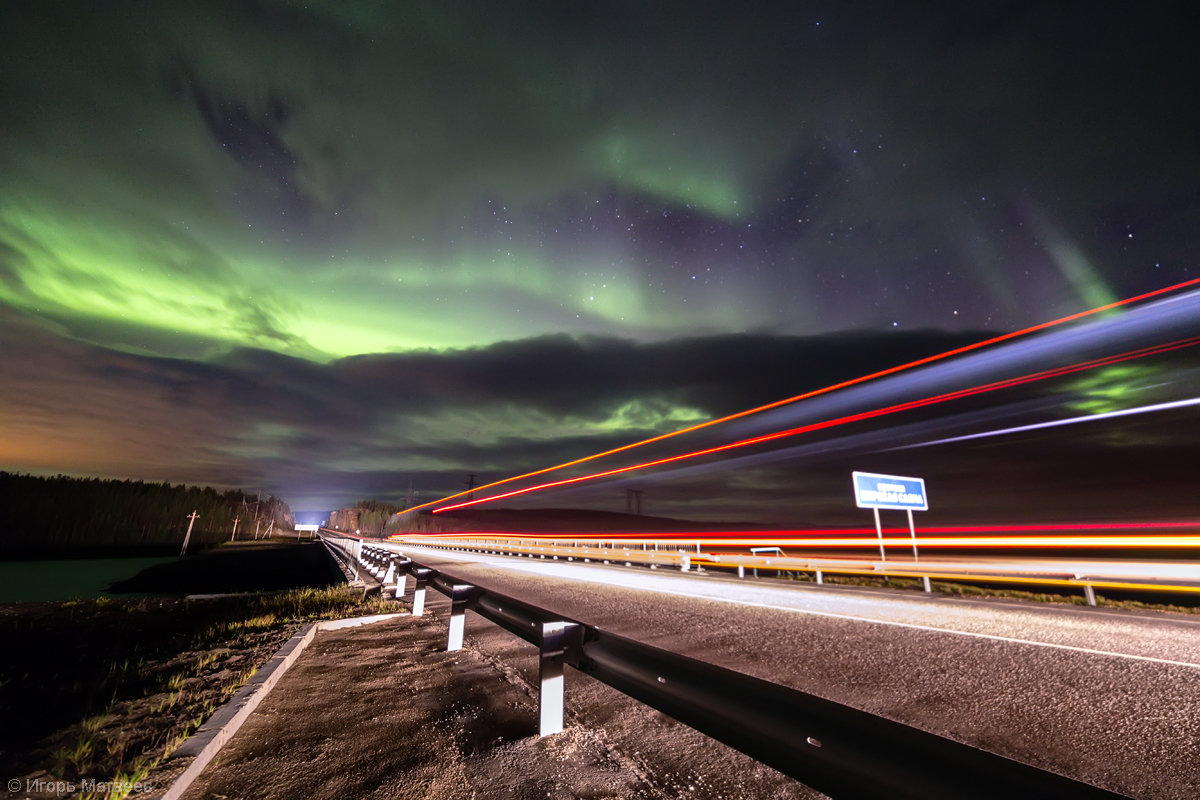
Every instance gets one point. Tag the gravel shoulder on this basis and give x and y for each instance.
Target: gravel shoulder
(384, 711)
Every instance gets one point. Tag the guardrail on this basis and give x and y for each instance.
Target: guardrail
(833, 748)
(689, 555)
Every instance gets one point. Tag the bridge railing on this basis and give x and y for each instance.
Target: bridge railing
(834, 748)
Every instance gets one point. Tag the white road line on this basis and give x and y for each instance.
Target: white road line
(856, 618)
(914, 626)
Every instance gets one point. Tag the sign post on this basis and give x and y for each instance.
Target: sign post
(875, 491)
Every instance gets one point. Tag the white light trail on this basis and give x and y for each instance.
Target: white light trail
(1192, 401)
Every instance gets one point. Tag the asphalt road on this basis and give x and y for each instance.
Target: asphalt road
(1104, 696)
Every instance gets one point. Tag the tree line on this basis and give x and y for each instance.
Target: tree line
(368, 516)
(64, 515)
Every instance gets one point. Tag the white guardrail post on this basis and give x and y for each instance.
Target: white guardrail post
(556, 638)
(401, 583)
(420, 579)
(459, 595)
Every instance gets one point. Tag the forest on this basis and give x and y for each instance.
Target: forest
(64, 516)
(367, 516)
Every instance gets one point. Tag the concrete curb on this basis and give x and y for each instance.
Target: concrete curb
(210, 737)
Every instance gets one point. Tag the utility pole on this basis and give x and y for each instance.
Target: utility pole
(233, 535)
(188, 535)
(471, 476)
(256, 524)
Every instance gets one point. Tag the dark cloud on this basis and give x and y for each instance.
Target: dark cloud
(424, 415)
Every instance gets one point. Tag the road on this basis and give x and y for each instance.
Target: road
(1101, 695)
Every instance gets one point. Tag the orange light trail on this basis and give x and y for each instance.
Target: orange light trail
(827, 389)
(837, 421)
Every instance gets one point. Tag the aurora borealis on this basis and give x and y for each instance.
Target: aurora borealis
(326, 249)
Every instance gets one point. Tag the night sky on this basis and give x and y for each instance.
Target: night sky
(329, 249)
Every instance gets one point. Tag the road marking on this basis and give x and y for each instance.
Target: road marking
(915, 626)
(834, 615)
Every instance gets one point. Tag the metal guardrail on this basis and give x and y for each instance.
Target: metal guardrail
(687, 556)
(343, 560)
(834, 748)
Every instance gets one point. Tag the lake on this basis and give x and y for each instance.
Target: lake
(67, 579)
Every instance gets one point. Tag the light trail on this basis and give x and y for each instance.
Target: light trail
(827, 389)
(874, 610)
(1060, 528)
(837, 421)
(868, 539)
(1126, 412)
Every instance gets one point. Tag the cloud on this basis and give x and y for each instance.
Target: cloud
(498, 409)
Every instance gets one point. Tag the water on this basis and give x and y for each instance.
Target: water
(67, 579)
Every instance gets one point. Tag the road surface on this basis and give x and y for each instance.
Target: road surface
(1104, 696)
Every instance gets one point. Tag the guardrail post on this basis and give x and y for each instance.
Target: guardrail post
(458, 616)
(557, 638)
(928, 585)
(685, 562)
(741, 571)
(418, 603)
(820, 577)
(1090, 593)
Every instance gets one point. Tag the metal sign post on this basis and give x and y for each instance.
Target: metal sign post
(879, 533)
(875, 491)
(912, 531)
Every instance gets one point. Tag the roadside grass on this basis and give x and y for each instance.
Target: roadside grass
(153, 701)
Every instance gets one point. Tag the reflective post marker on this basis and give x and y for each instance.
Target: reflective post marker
(458, 616)
(418, 602)
(556, 638)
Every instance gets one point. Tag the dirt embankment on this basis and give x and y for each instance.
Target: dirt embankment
(383, 711)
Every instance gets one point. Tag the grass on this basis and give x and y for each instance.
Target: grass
(158, 697)
(205, 661)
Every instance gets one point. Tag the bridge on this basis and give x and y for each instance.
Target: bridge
(851, 691)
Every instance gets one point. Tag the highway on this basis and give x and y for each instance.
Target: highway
(1018, 560)
(1103, 696)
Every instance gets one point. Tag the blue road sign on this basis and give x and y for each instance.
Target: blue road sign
(889, 491)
